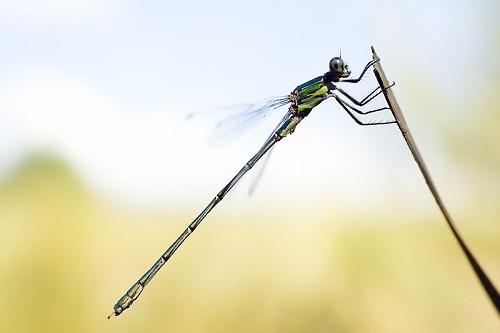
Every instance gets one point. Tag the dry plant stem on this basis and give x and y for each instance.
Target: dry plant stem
(403, 127)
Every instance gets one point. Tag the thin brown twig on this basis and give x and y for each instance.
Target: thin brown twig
(488, 286)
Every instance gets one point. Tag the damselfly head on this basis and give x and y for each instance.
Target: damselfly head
(339, 67)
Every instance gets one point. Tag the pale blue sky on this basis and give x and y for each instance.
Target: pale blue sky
(105, 84)
(153, 50)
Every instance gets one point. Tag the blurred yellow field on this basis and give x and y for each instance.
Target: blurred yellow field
(66, 258)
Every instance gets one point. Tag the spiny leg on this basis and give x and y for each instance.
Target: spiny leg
(362, 73)
(346, 106)
(355, 109)
(368, 98)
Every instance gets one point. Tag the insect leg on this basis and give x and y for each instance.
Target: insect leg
(368, 65)
(346, 106)
(368, 98)
(355, 109)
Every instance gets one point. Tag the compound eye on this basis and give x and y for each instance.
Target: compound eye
(337, 65)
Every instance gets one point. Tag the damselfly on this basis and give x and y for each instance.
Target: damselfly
(302, 100)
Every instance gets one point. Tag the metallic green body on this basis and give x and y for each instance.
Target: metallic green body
(310, 94)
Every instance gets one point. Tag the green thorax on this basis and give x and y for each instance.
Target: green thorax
(310, 94)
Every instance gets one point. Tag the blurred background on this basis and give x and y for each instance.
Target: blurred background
(100, 170)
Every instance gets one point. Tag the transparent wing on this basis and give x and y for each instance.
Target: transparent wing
(257, 176)
(259, 168)
(238, 119)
